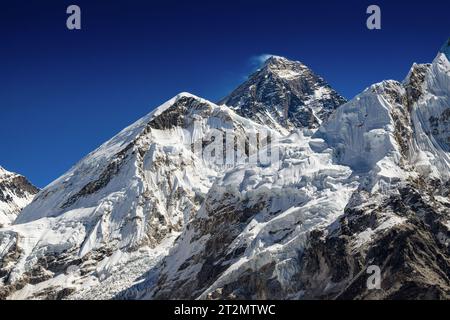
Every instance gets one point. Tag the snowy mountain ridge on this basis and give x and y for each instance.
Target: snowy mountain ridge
(385, 137)
(148, 216)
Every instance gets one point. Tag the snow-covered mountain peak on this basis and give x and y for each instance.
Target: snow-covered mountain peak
(375, 175)
(393, 128)
(274, 59)
(187, 94)
(284, 94)
(96, 170)
(284, 68)
(16, 192)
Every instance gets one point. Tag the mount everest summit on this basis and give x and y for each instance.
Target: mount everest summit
(284, 94)
(170, 209)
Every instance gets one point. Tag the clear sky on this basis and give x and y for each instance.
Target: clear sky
(63, 93)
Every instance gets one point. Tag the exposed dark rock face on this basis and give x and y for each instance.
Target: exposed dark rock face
(178, 115)
(414, 83)
(284, 93)
(413, 256)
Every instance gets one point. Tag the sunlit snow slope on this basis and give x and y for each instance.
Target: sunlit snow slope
(356, 184)
(133, 194)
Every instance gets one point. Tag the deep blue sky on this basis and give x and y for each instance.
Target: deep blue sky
(63, 93)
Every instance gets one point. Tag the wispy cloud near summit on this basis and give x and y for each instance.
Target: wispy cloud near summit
(257, 61)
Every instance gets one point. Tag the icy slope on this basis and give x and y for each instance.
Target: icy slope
(284, 94)
(254, 225)
(369, 188)
(15, 194)
(393, 126)
(431, 122)
(362, 131)
(133, 193)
